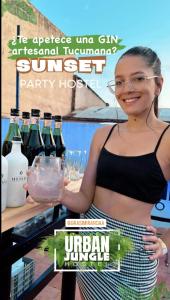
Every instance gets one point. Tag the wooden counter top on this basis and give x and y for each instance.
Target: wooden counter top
(13, 216)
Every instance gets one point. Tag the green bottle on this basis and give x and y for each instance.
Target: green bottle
(35, 144)
(47, 136)
(58, 138)
(12, 131)
(25, 127)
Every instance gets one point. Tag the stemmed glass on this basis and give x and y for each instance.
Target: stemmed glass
(83, 163)
(75, 164)
(46, 179)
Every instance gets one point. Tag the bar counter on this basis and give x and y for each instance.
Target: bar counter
(14, 216)
(14, 246)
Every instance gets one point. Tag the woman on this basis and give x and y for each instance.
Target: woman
(127, 171)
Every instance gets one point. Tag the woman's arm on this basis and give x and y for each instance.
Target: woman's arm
(80, 202)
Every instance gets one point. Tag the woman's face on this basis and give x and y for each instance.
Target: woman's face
(134, 92)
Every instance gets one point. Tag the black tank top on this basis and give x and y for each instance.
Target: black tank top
(139, 177)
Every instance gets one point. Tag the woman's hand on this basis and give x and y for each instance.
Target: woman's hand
(50, 203)
(156, 245)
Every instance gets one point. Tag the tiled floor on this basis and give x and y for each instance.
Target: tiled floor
(53, 290)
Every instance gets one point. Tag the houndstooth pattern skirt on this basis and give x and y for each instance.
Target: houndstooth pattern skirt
(137, 276)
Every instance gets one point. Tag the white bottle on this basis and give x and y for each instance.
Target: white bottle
(4, 182)
(17, 175)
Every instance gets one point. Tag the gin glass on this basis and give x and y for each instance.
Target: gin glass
(75, 164)
(46, 179)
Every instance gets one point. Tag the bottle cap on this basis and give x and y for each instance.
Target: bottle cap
(35, 112)
(58, 118)
(47, 116)
(16, 139)
(25, 115)
(14, 112)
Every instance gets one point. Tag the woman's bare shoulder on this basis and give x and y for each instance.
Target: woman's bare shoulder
(101, 135)
(167, 125)
(166, 138)
(102, 132)
(105, 128)
(163, 123)
(161, 126)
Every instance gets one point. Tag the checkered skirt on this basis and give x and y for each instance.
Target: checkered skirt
(137, 276)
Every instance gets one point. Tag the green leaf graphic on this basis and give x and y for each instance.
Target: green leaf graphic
(57, 243)
(160, 292)
(126, 246)
(21, 9)
(31, 49)
(3, 8)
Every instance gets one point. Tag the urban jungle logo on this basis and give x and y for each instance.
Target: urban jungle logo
(88, 250)
(95, 250)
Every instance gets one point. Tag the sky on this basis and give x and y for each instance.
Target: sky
(137, 23)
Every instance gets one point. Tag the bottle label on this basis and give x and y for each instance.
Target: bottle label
(26, 122)
(19, 177)
(16, 195)
(14, 119)
(47, 123)
(35, 120)
(58, 125)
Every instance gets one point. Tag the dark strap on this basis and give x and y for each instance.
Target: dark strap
(158, 143)
(110, 132)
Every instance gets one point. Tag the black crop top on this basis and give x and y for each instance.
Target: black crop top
(138, 177)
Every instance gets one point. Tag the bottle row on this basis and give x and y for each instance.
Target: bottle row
(34, 141)
(21, 146)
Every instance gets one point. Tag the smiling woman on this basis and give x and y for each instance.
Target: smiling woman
(127, 171)
(126, 176)
(144, 75)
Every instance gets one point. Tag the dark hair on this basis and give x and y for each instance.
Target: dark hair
(152, 60)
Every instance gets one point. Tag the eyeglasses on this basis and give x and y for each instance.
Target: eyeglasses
(137, 82)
